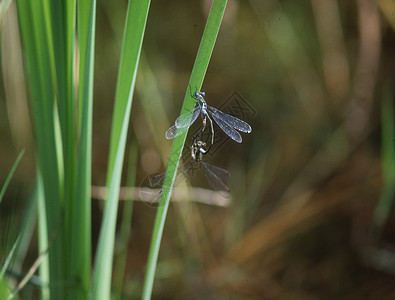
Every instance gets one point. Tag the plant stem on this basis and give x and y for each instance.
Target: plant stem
(196, 80)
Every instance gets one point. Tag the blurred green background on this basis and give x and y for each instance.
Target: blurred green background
(312, 186)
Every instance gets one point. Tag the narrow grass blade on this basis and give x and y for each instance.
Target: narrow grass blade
(24, 230)
(60, 23)
(133, 37)
(80, 215)
(16, 254)
(386, 202)
(197, 76)
(61, 16)
(10, 174)
(38, 51)
(125, 228)
(44, 269)
(9, 257)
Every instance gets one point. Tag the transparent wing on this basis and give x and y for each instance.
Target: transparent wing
(173, 131)
(182, 123)
(181, 176)
(233, 134)
(156, 180)
(231, 120)
(216, 177)
(185, 120)
(182, 173)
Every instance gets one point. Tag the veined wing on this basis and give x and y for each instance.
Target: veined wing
(232, 121)
(173, 132)
(182, 173)
(156, 180)
(233, 134)
(216, 177)
(182, 123)
(185, 120)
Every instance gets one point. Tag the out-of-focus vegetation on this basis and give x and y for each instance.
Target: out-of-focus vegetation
(311, 187)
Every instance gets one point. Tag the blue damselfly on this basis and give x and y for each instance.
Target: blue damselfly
(229, 124)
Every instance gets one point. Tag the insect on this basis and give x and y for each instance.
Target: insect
(215, 176)
(229, 124)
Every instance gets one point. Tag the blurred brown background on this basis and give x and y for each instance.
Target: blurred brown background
(312, 186)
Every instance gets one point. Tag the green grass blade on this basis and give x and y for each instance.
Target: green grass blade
(131, 49)
(80, 248)
(27, 230)
(38, 56)
(60, 27)
(9, 257)
(386, 201)
(125, 228)
(5, 290)
(197, 76)
(60, 23)
(133, 37)
(10, 174)
(61, 16)
(21, 244)
(44, 269)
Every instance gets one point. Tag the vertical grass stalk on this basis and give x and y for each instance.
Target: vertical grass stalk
(125, 226)
(80, 213)
(48, 36)
(196, 80)
(133, 38)
(34, 25)
(10, 174)
(386, 201)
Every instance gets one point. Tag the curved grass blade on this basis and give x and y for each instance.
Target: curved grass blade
(36, 34)
(10, 256)
(198, 72)
(136, 20)
(80, 207)
(10, 174)
(34, 266)
(124, 237)
(386, 202)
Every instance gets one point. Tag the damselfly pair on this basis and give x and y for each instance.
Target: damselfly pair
(215, 176)
(229, 124)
